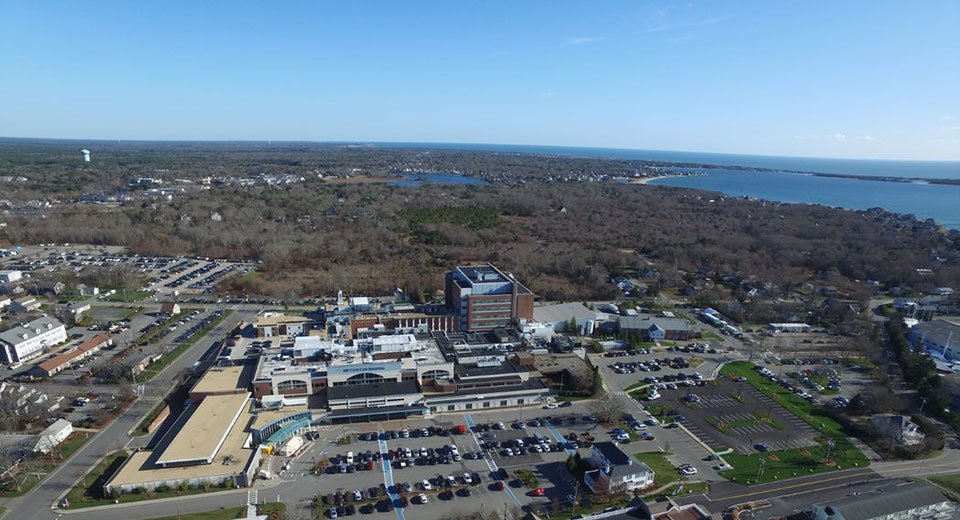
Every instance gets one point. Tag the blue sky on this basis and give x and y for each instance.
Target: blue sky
(871, 79)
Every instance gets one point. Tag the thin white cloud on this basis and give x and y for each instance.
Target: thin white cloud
(946, 118)
(585, 40)
(840, 138)
(663, 27)
(865, 138)
(952, 127)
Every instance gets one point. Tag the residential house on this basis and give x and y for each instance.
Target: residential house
(4, 301)
(24, 304)
(87, 290)
(54, 288)
(10, 276)
(897, 428)
(53, 435)
(170, 308)
(614, 470)
(910, 501)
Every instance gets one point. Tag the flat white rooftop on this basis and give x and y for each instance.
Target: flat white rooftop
(199, 439)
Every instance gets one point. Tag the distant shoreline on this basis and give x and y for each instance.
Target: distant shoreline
(648, 180)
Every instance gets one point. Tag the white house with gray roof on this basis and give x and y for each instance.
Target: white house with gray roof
(28, 341)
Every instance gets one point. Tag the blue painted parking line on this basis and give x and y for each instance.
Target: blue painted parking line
(388, 475)
(489, 460)
(560, 439)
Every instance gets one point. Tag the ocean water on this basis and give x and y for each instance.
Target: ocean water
(862, 167)
(939, 202)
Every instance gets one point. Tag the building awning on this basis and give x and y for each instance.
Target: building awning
(374, 413)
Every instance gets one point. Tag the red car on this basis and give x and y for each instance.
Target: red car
(498, 485)
(539, 492)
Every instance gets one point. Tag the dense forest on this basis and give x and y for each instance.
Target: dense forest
(564, 239)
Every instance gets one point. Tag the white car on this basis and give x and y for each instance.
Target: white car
(688, 470)
(426, 485)
(552, 406)
(723, 466)
(422, 498)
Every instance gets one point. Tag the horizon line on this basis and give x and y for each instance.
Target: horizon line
(455, 143)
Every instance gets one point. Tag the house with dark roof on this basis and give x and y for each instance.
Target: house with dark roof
(911, 501)
(614, 470)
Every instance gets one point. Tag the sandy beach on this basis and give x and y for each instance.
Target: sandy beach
(648, 180)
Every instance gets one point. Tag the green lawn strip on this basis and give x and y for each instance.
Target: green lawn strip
(131, 296)
(87, 492)
(169, 357)
(597, 503)
(528, 478)
(843, 453)
(49, 462)
(950, 484)
(664, 472)
(682, 488)
(141, 428)
(231, 513)
(726, 427)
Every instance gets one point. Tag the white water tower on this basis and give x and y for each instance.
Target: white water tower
(86, 155)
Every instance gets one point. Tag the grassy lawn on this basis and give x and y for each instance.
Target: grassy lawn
(798, 461)
(87, 492)
(682, 488)
(528, 478)
(141, 428)
(49, 462)
(159, 365)
(712, 335)
(664, 472)
(597, 504)
(948, 483)
(132, 296)
(274, 509)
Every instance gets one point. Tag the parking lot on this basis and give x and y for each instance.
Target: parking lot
(430, 458)
(645, 363)
(164, 273)
(729, 414)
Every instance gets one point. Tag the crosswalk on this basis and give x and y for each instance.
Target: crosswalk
(388, 475)
(489, 460)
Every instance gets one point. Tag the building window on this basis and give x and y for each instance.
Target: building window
(520, 401)
(291, 384)
(365, 378)
(503, 403)
(436, 374)
(469, 406)
(433, 409)
(451, 407)
(486, 404)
